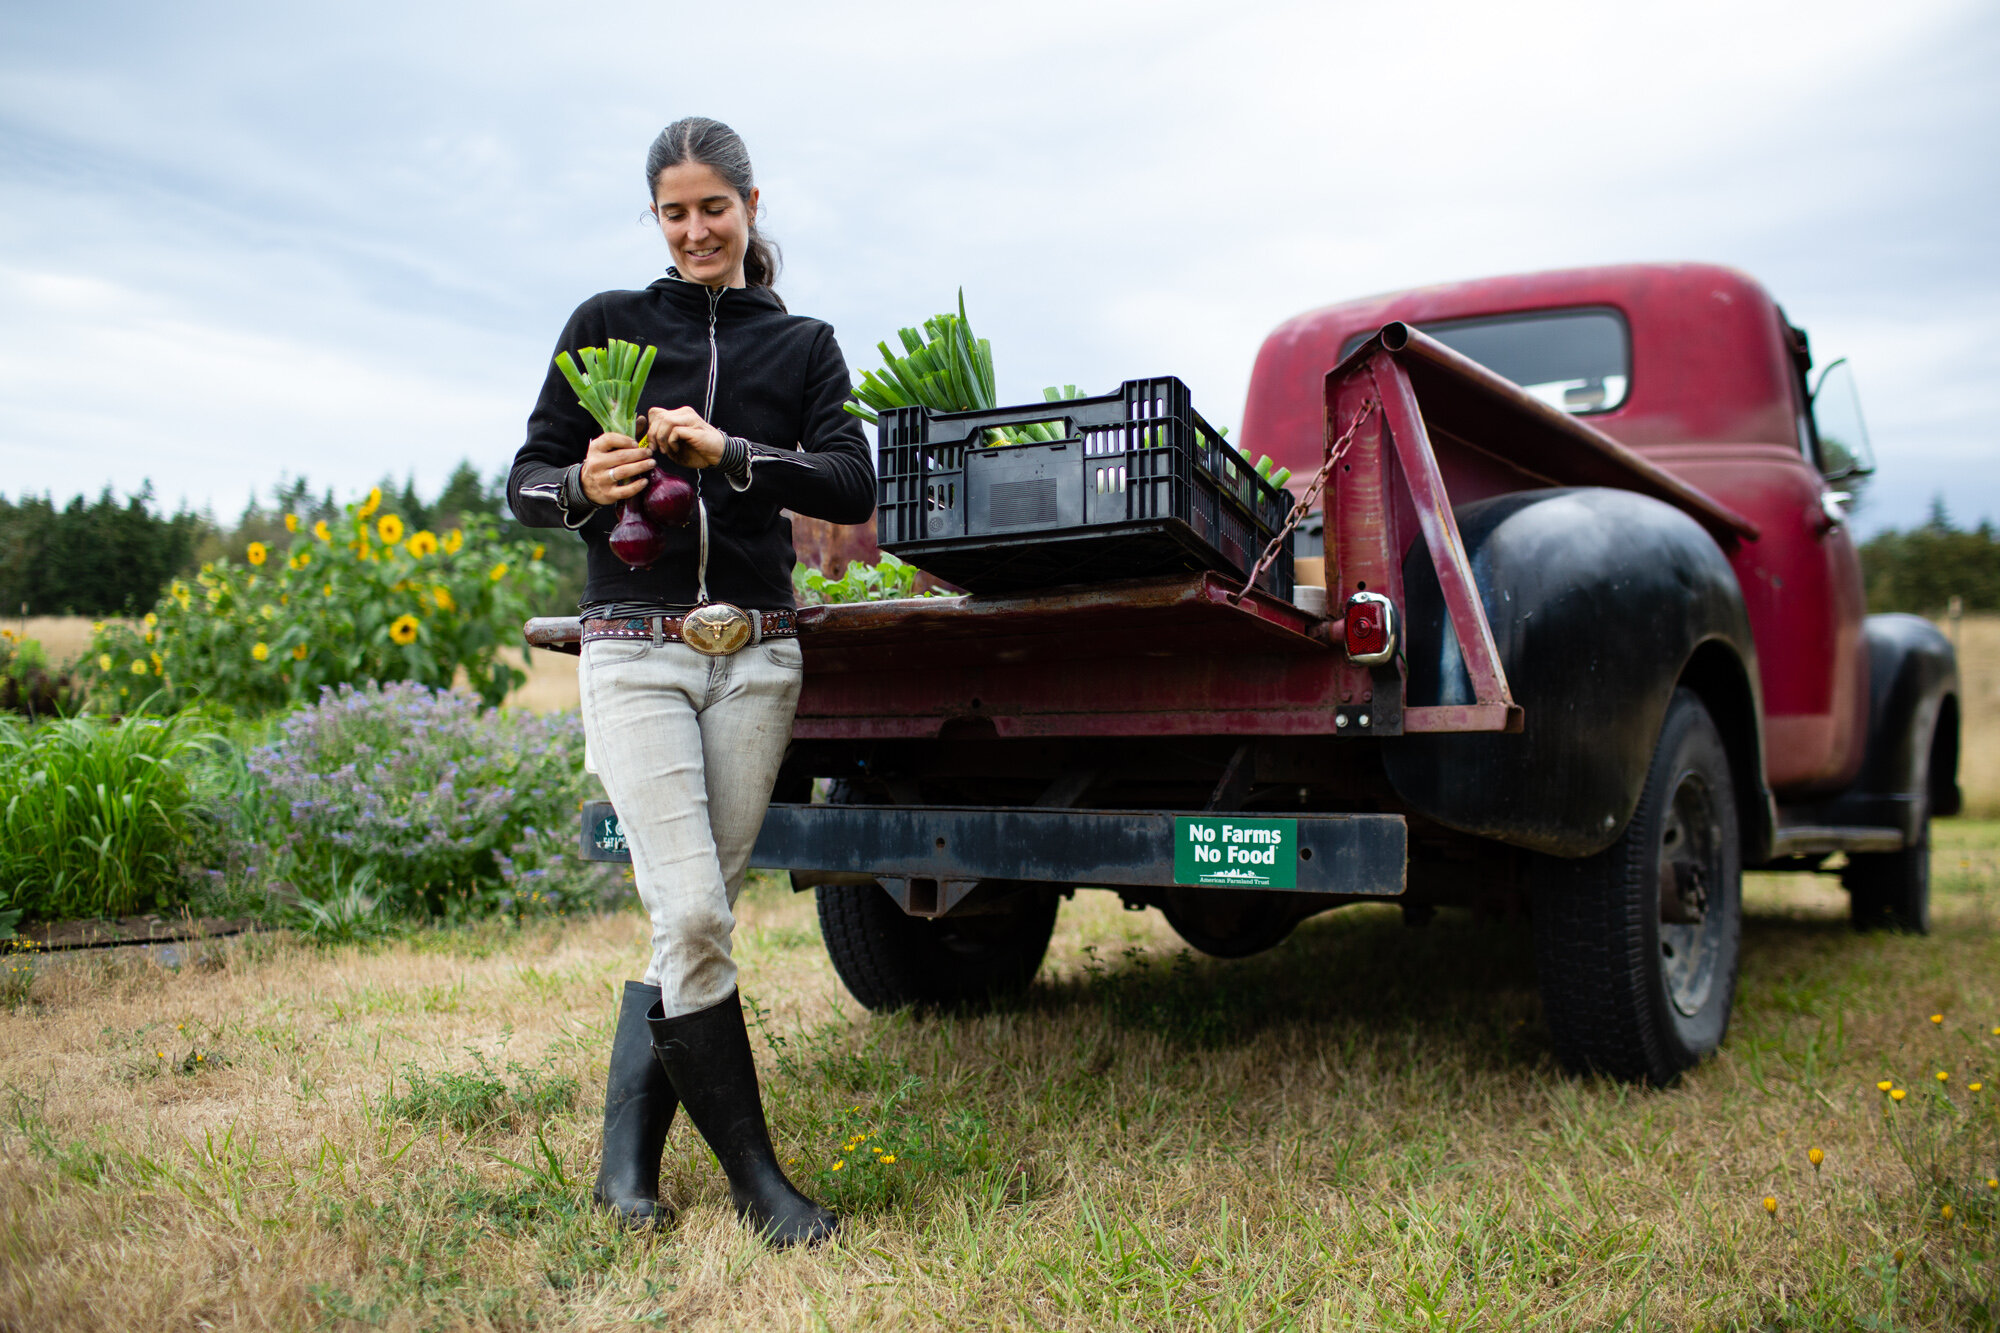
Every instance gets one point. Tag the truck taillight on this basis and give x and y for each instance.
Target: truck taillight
(1371, 628)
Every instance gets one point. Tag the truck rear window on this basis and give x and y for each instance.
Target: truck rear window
(1577, 360)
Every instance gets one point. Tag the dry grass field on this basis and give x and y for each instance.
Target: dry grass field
(1361, 1129)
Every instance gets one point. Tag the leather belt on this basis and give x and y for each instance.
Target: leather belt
(714, 630)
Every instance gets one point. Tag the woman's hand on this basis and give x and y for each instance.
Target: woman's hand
(615, 468)
(683, 437)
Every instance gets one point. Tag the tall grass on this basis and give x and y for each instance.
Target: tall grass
(95, 816)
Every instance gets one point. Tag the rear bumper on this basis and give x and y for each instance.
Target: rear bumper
(939, 854)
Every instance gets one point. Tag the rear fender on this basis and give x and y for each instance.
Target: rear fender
(1601, 602)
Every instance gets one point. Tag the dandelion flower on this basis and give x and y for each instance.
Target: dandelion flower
(424, 543)
(371, 504)
(261, 651)
(257, 553)
(1815, 1156)
(321, 531)
(1771, 1204)
(298, 652)
(1993, 1182)
(442, 596)
(838, 1165)
(498, 572)
(1974, 1087)
(1945, 1212)
(1996, 1032)
(890, 1158)
(404, 629)
(1937, 1018)
(452, 541)
(539, 551)
(1885, 1085)
(1897, 1095)
(104, 661)
(1944, 1076)
(291, 523)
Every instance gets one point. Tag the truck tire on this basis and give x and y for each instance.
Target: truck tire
(891, 960)
(1637, 947)
(1891, 890)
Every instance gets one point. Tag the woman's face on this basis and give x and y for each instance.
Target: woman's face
(706, 223)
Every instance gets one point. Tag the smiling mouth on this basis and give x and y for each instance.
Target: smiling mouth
(704, 254)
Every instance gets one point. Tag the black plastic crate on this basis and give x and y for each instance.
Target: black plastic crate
(1139, 485)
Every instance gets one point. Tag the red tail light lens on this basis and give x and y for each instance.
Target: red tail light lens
(1371, 628)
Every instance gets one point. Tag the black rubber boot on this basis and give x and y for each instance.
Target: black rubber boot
(707, 1054)
(639, 1106)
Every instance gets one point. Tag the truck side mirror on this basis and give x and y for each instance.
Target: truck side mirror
(1843, 436)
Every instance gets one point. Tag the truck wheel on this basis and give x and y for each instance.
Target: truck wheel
(1637, 946)
(889, 960)
(1892, 890)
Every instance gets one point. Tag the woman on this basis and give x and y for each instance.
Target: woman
(687, 734)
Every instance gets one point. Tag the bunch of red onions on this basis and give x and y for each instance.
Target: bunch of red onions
(608, 386)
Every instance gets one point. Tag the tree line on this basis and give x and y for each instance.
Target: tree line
(107, 557)
(1921, 570)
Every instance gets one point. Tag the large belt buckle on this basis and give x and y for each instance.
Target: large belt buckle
(716, 629)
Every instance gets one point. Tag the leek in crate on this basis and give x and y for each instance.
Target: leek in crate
(946, 369)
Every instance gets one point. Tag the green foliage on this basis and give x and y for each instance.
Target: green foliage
(91, 558)
(440, 802)
(891, 580)
(98, 815)
(28, 684)
(481, 1098)
(367, 600)
(1923, 569)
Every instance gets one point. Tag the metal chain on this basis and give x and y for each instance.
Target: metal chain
(1306, 500)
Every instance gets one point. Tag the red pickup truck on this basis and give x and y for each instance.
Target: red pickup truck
(1592, 642)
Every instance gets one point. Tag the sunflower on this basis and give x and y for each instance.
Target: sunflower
(498, 572)
(321, 531)
(442, 596)
(301, 560)
(371, 504)
(261, 651)
(298, 652)
(424, 543)
(138, 666)
(257, 553)
(452, 541)
(403, 629)
(291, 523)
(390, 529)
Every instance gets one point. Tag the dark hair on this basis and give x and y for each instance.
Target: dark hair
(713, 144)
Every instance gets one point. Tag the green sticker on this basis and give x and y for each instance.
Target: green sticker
(1236, 852)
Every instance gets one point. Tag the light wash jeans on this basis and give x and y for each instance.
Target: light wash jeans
(688, 748)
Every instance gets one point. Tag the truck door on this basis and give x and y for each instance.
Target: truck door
(1815, 666)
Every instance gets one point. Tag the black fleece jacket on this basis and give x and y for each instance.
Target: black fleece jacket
(778, 382)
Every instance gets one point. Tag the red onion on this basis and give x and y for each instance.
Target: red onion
(637, 540)
(668, 498)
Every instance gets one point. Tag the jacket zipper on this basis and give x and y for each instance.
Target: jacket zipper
(708, 408)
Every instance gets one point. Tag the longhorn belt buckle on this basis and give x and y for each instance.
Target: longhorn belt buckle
(717, 629)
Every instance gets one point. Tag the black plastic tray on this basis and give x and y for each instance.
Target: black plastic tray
(1138, 485)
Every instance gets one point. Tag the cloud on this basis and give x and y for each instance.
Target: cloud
(369, 222)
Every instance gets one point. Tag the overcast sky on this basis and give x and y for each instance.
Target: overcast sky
(239, 241)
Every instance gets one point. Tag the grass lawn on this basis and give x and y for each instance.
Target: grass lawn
(1362, 1128)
